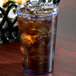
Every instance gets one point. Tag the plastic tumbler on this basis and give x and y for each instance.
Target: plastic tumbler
(37, 28)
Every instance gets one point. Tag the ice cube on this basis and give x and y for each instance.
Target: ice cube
(36, 8)
(22, 53)
(26, 40)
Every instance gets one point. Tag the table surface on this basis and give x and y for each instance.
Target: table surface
(65, 53)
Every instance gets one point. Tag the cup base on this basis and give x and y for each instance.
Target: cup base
(34, 73)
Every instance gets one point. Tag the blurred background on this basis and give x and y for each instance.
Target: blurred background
(3, 2)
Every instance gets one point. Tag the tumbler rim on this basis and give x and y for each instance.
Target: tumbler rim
(51, 15)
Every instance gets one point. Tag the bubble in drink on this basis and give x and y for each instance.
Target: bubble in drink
(37, 27)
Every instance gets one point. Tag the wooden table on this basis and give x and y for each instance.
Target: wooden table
(65, 54)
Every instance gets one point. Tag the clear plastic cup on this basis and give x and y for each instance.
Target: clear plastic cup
(37, 37)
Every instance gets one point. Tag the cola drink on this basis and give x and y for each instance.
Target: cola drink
(37, 27)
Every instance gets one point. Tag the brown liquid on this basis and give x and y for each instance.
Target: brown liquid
(37, 44)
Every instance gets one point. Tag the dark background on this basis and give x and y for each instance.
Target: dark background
(67, 20)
